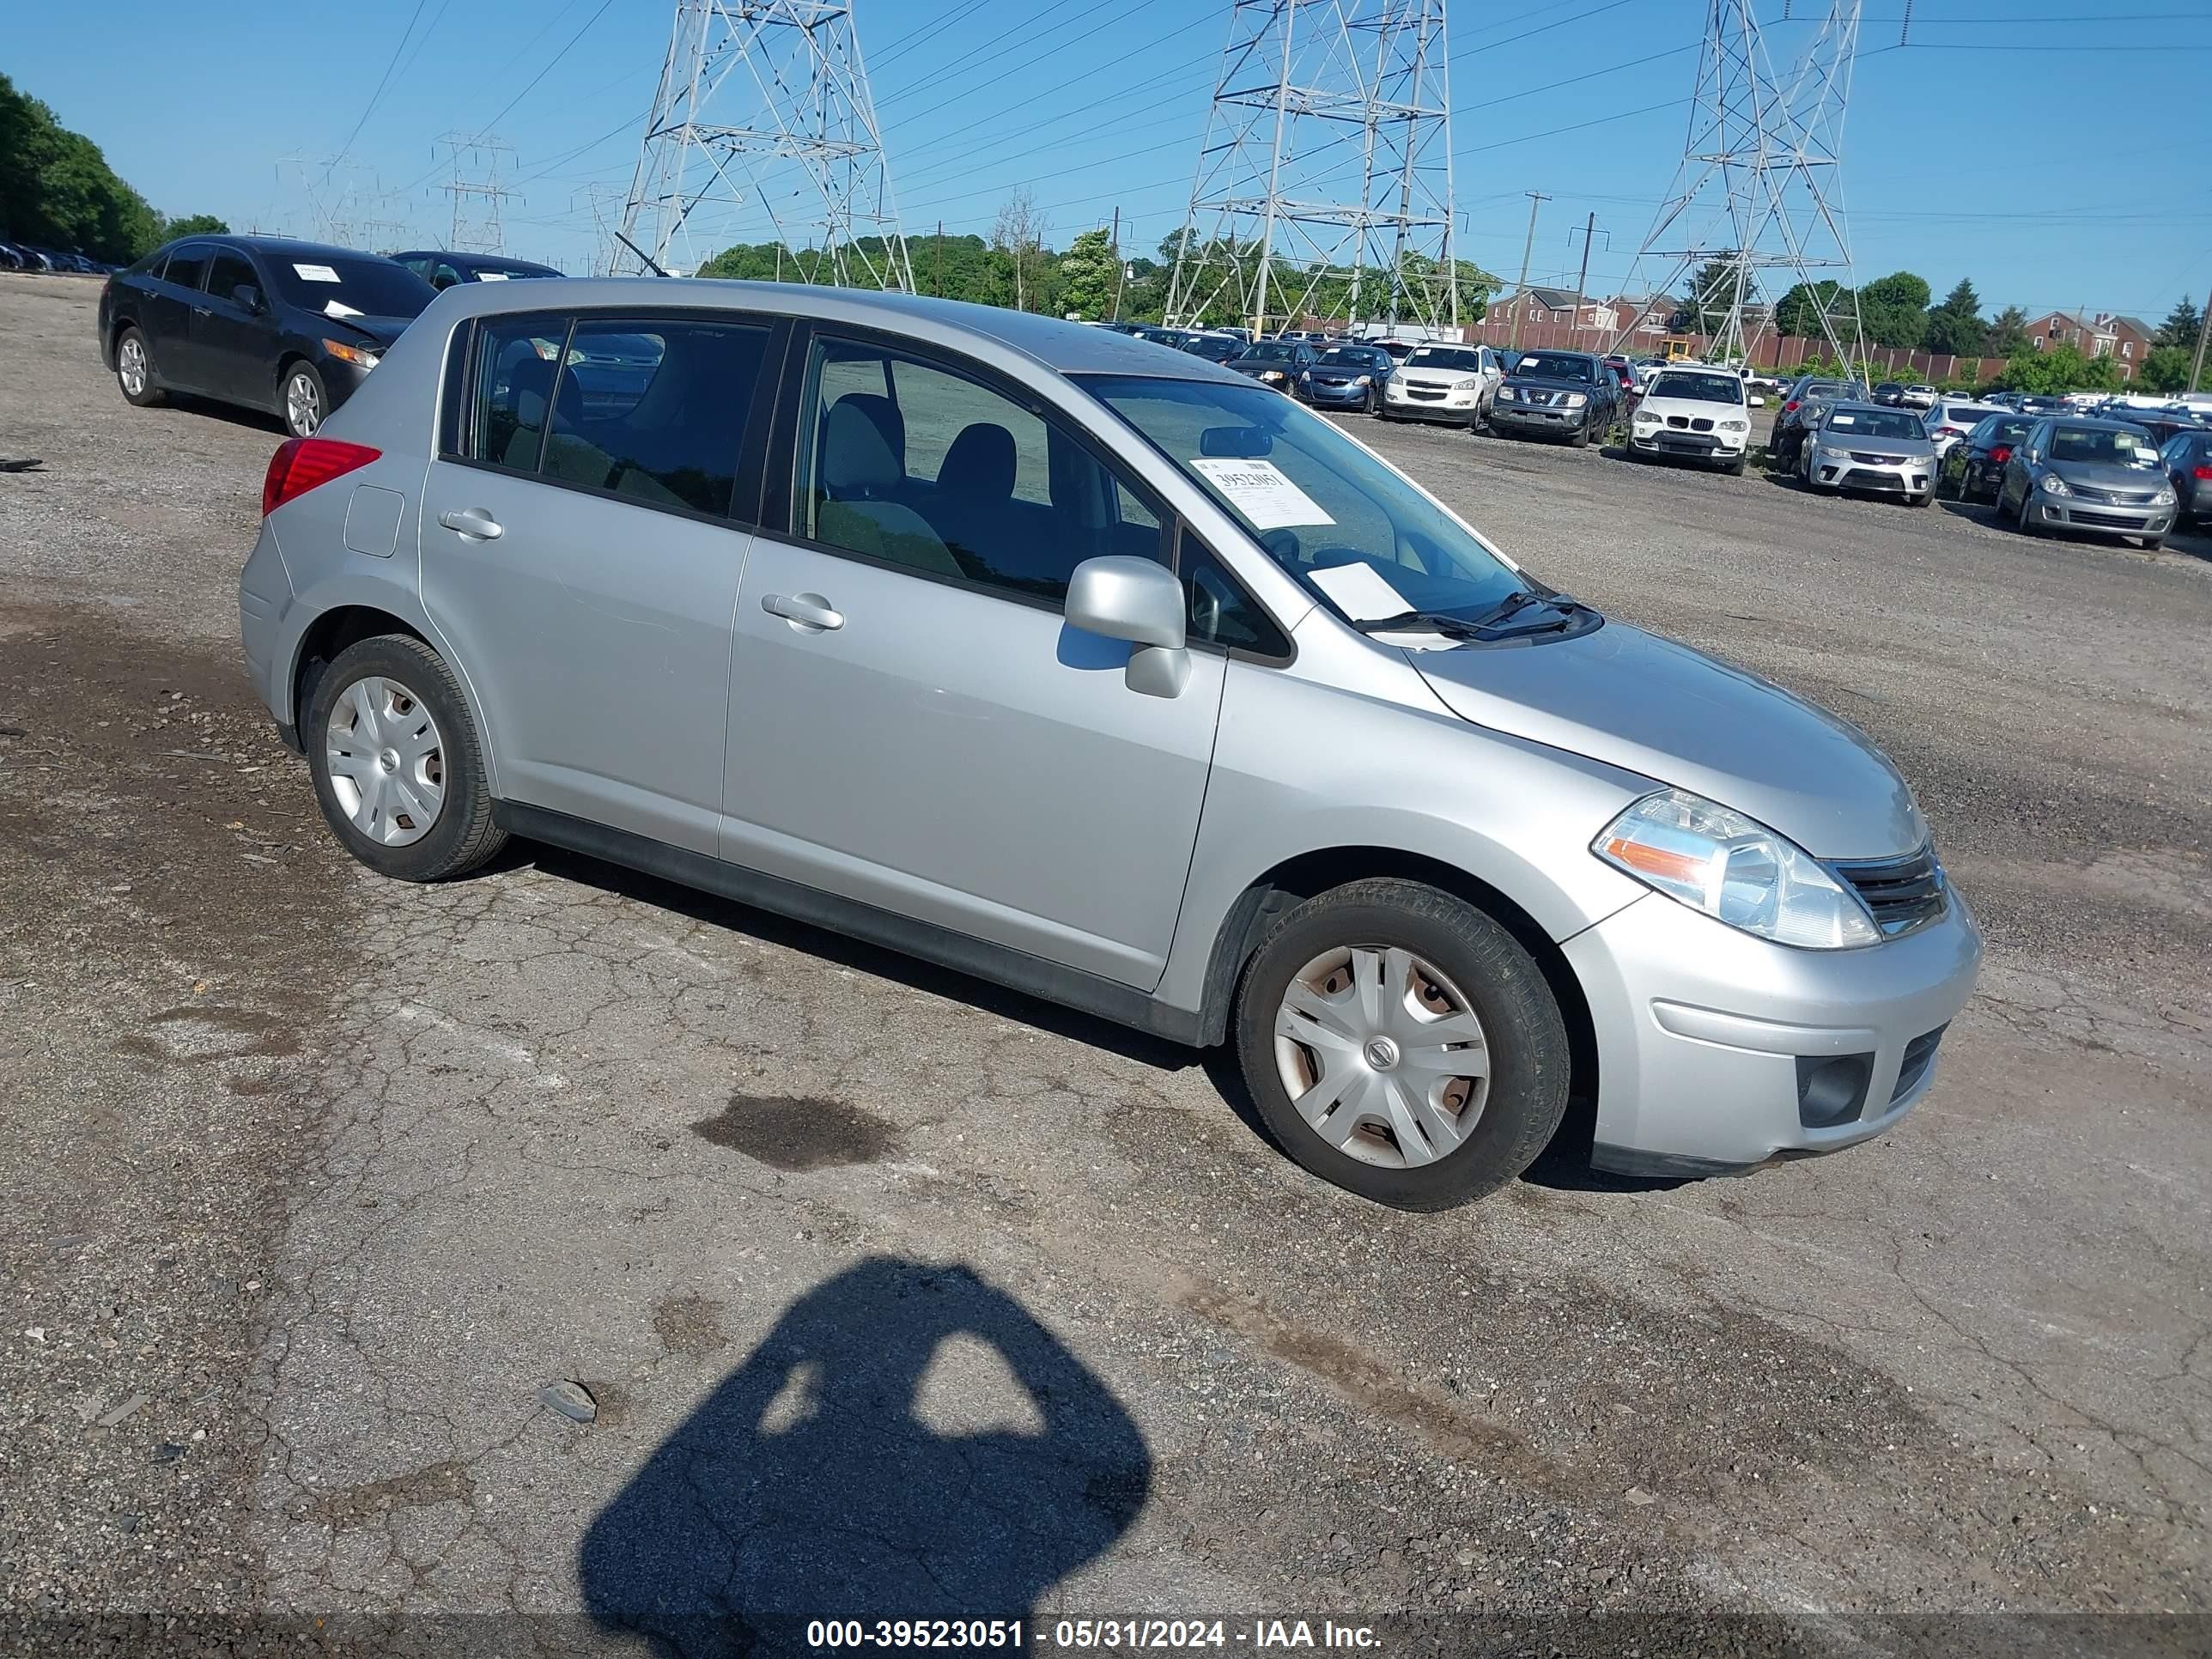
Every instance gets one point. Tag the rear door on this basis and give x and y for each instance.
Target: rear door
(165, 315)
(584, 561)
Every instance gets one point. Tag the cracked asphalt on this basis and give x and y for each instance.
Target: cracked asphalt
(890, 1294)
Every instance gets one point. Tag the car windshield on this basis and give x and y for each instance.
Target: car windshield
(343, 285)
(1873, 423)
(1270, 351)
(1350, 528)
(1357, 358)
(1547, 367)
(1698, 388)
(2106, 446)
(1211, 346)
(1459, 357)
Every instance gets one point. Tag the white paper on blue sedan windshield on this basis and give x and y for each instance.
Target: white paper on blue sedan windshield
(317, 274)
(339, 308)
(1259, 489)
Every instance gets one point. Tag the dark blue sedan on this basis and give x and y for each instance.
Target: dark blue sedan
(1349, 377)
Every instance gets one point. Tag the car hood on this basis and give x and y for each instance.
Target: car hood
(1693, 407)
(2103, 475)
(1896, 449)
(1546, 383)
(381, 329)
(1632, 700)
(1423, 374)
(1268, 367)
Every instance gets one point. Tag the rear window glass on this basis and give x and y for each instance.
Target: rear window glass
(658, 413)
(186, 266)
(348, 285)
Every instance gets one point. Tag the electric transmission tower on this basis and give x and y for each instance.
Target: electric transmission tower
(1324, 179)
(479, 161)
(763, 114)
(1759, 188)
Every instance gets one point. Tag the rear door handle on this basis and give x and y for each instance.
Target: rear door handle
(804, 611)
(472, 522)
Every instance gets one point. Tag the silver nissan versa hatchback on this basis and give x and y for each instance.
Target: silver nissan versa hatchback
(1099, 670)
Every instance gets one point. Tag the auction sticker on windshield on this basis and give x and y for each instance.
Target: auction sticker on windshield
(317, 274)
(1260, 491)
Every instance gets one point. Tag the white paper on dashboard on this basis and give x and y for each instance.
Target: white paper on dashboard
(339, 308)
(318, 273)
(1258, 490)
(491, 276)
(1360, 590)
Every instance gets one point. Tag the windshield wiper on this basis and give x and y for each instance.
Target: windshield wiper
(1484, 626)
(1408, 621)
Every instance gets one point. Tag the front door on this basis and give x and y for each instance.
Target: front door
(166, 315)
(581, 558)
(235, 349)
(912, 723)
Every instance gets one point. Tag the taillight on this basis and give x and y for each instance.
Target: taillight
(1791, 404)
(2203, 472)
(300, 464)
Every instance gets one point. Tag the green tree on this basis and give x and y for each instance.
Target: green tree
(1893, 310)
(2165, 368)
(2061, 369)
(2181, 325)
(2008, 333)
(194, 224)
(1955, 328)
(1798, 314)
(1087, 273)
(57, 188)
(1711, 295)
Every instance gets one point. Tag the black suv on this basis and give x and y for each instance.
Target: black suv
(289, 328)
(1562, 394)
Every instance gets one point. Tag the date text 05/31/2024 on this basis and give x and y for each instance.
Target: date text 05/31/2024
(1163, 1635)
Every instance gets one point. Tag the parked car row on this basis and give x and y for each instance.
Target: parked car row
(26, 256)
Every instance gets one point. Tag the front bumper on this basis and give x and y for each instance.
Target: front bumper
(1910, 479)
(1675, 442)
(1455, 407)
(1337, 397)
(1521, 417)
(1718, 1052)
(2100, 518)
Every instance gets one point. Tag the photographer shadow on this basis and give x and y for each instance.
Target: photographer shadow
(808, 1486)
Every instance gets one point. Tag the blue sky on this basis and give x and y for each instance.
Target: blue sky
(2020, 142)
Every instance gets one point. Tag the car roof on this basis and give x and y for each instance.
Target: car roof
(287, 248)
(473, 261)
(2094, 423)
(1068, 348)
(1854, 406)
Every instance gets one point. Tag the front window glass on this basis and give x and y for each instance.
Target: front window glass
(348, 285)
(1699, 388)
(230, 271)
(1873, 423)
(2102, 445)
(1320, 504)
(915, 463)
(1457, 357)
(1547, 366)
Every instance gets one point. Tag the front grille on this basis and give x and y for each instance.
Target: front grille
(1434, 394)
(1901, 894)
(1919, 1055)
(1860, 479)
(2107, 520)
(2114, 497)
(1698, 424)
(1873, 459)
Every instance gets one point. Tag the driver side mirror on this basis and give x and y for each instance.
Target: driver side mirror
(1122, 598)
(247, 298)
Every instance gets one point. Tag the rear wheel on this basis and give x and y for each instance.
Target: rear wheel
(1401, 1044)
(303, 400)
(134, 369)
(397, 765)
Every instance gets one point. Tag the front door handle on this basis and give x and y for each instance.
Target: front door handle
(808, 611)
(474, 523)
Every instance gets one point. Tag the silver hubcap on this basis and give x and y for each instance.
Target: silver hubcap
(1383, 1055)
(303, 406)
(387, 762)
(131, 365)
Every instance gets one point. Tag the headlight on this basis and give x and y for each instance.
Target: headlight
(1364, 380)
(1576, 399)
(2051, 484)
(2166, 497)
(1507, 394)
(360, 356)
(1472, 383)
(1270, 375)
(1644, 420)
(1735, 426)
(1733, 870)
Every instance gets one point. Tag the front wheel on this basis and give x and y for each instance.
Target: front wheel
(2152, 543)
(397, 765)
(304, 400)
(1579, 438)
(134, 369)
(1402, 1045)
(1736, 467)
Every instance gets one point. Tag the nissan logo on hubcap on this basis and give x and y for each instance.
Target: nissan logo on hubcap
(1381, 1053)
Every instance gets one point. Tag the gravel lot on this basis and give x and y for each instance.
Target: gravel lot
(316, 1182)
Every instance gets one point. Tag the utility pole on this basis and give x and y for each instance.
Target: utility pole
(1119, 268)
(939, 277)
(1521, 300)
(1582, 282)
(2203, 332)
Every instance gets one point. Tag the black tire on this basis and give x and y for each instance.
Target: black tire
(1523, 1033)
(1920, 501)
(463, 836)
(302, 371)
(149, 393)
(2021, 521)
(1736, 467)
(1579, 438)
(2152, 543)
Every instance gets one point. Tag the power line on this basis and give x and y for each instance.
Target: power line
(382, 82)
